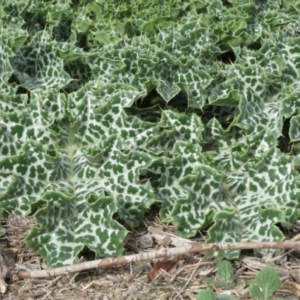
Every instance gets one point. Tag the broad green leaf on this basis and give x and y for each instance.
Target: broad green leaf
(266, 283)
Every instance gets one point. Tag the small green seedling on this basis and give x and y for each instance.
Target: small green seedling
(224, 278)
(265, 284)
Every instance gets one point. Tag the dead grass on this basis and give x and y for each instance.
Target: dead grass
(183, 281)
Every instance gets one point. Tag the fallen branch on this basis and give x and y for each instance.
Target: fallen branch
(161, 253)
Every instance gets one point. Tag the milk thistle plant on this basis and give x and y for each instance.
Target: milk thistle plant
(107, 107)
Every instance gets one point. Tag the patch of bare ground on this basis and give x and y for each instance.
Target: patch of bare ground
(183, 281)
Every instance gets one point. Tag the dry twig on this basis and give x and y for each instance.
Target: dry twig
(161, 253)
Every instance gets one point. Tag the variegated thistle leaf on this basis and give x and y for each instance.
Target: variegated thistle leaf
(5, 69)
(95, 120)
(80, 222)
(38, 66)
(102, 167)
(186, 157)
(86, 180)
(92, 182)
(32, 122)
(263, 192)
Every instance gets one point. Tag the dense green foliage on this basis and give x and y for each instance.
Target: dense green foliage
(107, 107)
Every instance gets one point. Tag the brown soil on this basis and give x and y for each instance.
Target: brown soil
(183, 281)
